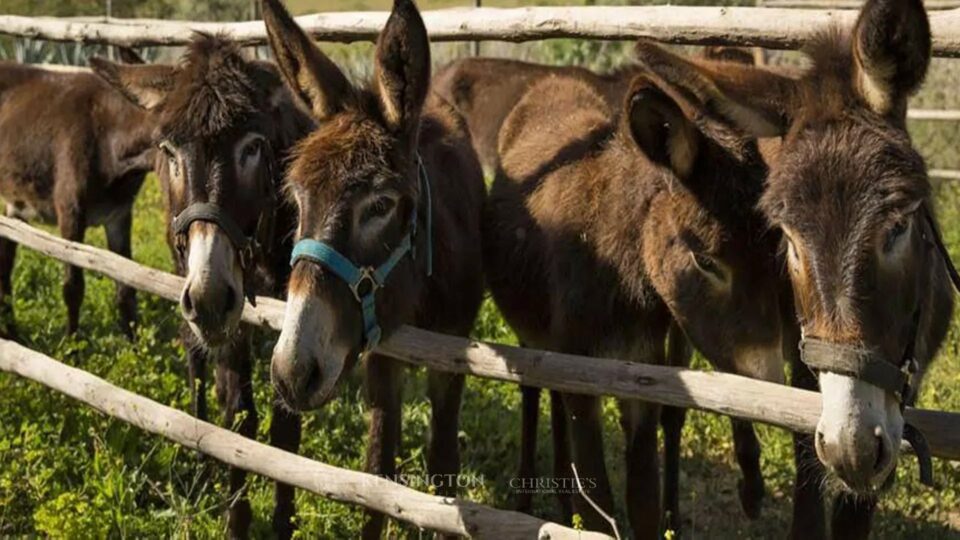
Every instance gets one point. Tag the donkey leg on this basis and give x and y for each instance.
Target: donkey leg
(852, 517)
(809, 517)
(284, 434)
(8, 253)
(672, 419)
(118, 241)
(443, 457)
(235, 393)
(747, 449)
(640, 421)
(530, 396)
(383, 394)
(586, 438)
(561, 452)
(196, 372)
(72, 224)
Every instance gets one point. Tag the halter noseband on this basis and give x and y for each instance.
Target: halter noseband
(871, 366)
(248, 247)
(364, 282)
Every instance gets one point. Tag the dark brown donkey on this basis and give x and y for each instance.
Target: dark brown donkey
(75, 153)
(225, 126)
(870, 276)
(605, 225)
(387, 187)
(485, 90)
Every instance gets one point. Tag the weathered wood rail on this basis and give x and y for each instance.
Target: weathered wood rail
(741, 26)
(731, 395)
(442, 514)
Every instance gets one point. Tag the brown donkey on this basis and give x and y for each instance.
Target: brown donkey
(604, 226)
(390, 192)
(485, 90)
(225, 126)
(75, 153)
(869, 272)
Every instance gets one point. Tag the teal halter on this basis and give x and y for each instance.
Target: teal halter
(373, 277)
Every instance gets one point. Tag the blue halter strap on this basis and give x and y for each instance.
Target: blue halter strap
(366, 281)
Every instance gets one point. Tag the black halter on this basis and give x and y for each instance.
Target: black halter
(249, 248)
(872, 366)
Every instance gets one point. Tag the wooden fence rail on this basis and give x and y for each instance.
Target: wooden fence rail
(442, 514)
(931, 5)
(731, 395)
(741, 26)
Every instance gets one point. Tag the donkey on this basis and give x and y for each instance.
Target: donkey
(389, 192)
(72, 152)
(225, 126)
(485, 90)
(605, 225)
(870, 275)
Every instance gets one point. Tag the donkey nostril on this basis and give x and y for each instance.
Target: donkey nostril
(312, 379)
(882, 454)
(231, 300)
(186, 303)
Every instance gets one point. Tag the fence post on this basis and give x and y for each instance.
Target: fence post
(476, 44)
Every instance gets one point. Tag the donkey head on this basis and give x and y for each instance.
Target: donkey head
(355, 181)
(222, 122)
(707, 249)
(850, 194)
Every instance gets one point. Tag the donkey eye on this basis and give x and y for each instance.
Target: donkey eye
(708, 265)
(251, 151)
(171, 156)
(379, 208)
(894, 234)
(793, 258)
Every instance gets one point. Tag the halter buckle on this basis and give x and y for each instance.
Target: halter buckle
(367, 274)
(246, 254)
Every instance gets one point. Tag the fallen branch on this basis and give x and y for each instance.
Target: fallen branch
(443, 514)
(730, 395)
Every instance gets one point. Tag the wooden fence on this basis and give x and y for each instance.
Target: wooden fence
(731, 395)
(931, 5)
(442, 514)
(741, 26)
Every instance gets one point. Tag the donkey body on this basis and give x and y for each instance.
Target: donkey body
(225, 126)
(604, 226)
(73, 152)
(485, 90)
(868, 268)
(389, 187)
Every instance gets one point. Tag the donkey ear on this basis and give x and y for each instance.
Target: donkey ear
(660, 129)
(891, 51)
(755, 100)
(316, 81)
(145, 85)
(402, 67)
(129, 56)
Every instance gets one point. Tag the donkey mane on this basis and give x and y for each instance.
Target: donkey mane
(215, 88)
